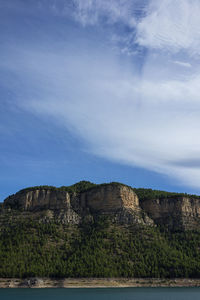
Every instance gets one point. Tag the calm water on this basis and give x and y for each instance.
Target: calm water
(103, 294)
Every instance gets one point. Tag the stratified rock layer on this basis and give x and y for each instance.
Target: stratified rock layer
(109, 198)
(117, 201)
(44, 199)
(181, 212)
(39, 199)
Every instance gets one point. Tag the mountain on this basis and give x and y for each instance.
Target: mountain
(121, 203)
(106, 230)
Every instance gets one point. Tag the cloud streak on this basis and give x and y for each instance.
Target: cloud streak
(147, 118)
(94, 12)
(182, 63)
(171, 25)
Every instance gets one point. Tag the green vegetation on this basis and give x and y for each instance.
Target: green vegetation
(77, 187)
(144, 194)
(83, 186)
(31, 247)
(100, 249)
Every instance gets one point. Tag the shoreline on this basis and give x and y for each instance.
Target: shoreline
(97, 282)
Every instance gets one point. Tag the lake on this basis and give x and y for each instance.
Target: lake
(101, 293)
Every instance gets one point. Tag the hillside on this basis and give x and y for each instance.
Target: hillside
(108, 230)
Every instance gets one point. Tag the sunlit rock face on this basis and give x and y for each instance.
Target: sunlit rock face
(119, 202)
(39, 199)
(109, 198)
(116, 201)
(56, 203)
(180, 212)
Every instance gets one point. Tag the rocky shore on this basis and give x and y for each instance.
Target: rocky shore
(96, 282)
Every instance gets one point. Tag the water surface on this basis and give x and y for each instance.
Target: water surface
(101, 294)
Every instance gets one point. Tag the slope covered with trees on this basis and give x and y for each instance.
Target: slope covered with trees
(31, 245)
(101, 249)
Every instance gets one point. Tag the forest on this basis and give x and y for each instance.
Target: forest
(29, 248)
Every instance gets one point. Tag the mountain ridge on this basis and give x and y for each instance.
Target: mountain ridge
(85, 200)
(106, 231)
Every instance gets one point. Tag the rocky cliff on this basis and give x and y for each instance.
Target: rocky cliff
(117, 201)
(179, 212)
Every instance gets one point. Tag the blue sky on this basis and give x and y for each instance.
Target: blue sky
(100, 90)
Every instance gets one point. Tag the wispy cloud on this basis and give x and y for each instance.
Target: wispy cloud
(121, 15)
(93, 12)
(136, 121)
(147, 118)
(182, 63)
(171, 25)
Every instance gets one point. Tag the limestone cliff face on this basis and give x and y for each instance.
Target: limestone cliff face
(42, 199)
(39, 199)
(110, 198)
(182, 212)
(117, 201)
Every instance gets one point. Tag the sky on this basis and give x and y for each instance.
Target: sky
(100, 90)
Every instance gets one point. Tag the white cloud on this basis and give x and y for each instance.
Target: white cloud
(137, 121)
(149, 118)
(90, 12)
(182, 63)
(171, 25)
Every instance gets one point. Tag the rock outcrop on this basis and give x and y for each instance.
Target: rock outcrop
(110, 198)
(180, 212)
(117, 201)
(56, 201)
(39, 199)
